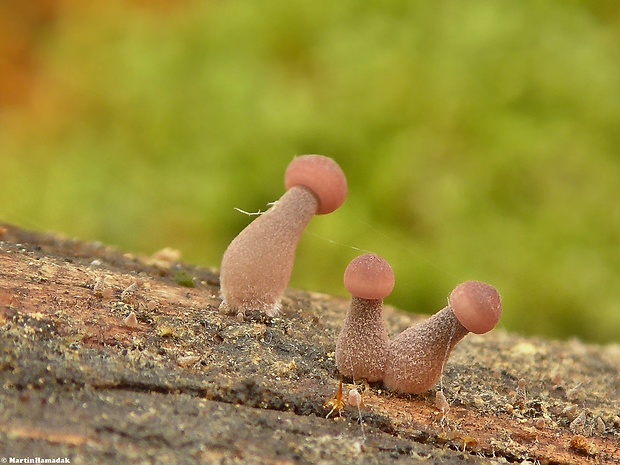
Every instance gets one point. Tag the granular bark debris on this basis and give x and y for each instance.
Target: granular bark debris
(185, 383)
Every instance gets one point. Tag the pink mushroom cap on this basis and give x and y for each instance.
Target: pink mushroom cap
(322, 176)
(476, 305)
(369, 277)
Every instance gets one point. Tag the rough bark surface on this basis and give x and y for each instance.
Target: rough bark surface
(186, 384)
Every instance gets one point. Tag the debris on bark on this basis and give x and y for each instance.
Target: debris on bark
(106, 358)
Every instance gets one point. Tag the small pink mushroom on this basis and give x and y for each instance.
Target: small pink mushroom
(417, 356)
(256, 267)
(362, 346)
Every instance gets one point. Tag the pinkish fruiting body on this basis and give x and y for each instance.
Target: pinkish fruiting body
(417, 356)
(257, 265)
(322, 176)
(362, 346)
(259, 261)
(477, 306)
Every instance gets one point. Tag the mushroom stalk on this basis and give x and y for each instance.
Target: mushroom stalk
(362, 346)
(257, 265)
(262, 255)
(417, 355)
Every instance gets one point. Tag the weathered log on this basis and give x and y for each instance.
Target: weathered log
(183, 383)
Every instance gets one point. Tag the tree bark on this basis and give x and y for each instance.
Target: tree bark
(181, 383)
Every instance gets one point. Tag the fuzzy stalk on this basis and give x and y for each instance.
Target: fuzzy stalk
(417, 356)
(362, 346)
(257, 265)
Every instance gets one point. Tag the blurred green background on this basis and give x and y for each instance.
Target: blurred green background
(480, 139)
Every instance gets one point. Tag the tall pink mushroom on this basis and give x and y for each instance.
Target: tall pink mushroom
(417, 356)
(362, 346)
(257, 265)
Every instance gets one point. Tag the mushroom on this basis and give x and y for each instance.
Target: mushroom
(417, 356)
(362, 346)
(256, 267)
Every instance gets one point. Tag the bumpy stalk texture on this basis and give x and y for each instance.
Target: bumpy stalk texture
(362, 346)
(417, 356)
(257, 265)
